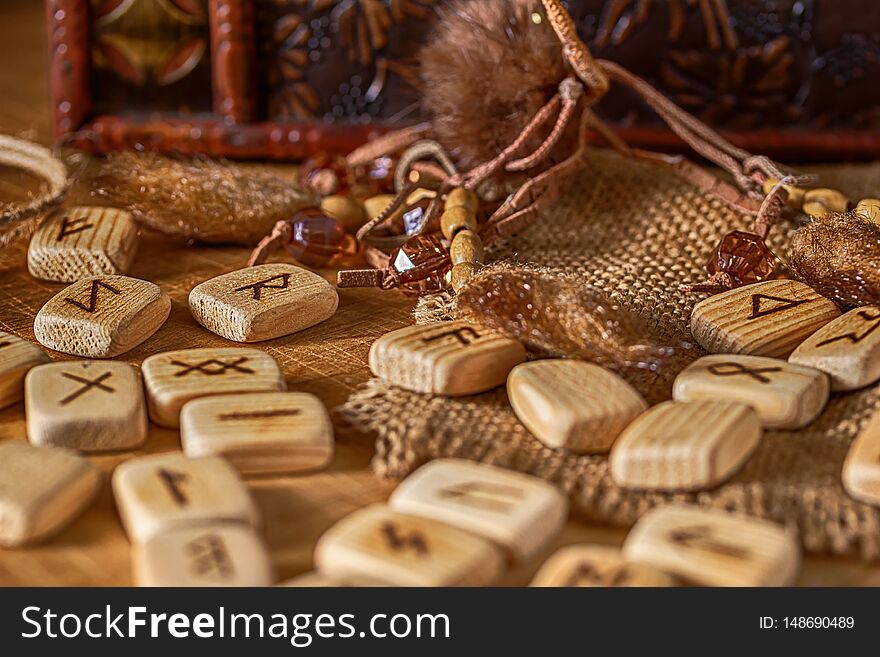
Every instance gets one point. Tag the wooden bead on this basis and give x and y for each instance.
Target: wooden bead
(765, 319)
(466, 247)
(91, 406)
(349, 212)
(861, 469)
(464, 198)
(455, 219)
(819, 202)
(785, 396)
(846, 349)
(795, 198)
(102, 317)
(461, 274)
(685, 446)
(589, 566)
(376, 205)
(445, 358)
(712, 547)
(263, 302)
(41, 491)
(79, 242)
(405, 550)
(572, 404)
(17, 357)
(869, 208)
(522, 514)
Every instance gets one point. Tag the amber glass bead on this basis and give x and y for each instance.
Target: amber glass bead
(327, 174)
(744, 256)
(457, 219)
(317, 239)
(421, 264)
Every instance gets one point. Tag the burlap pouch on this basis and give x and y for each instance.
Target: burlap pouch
(637, 231)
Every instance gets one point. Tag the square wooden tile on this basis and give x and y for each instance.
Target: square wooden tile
(522, 514)
(592, 566)
(765, 319)
(259, 433)
(155, 494)
(714, 548)
(684, 446)
(785, 396)
(41, 491)
(102, 317)
(75, 243)
(204, 555)
(861, 469)
(173, 378)
(405, 550)
(17, 357)
(445, 358)
(263, 302)
(846, 349)
(91, 406)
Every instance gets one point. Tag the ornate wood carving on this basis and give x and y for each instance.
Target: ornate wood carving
(234, 54)
(69, 63)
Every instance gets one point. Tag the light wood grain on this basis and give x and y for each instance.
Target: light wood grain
(17, 357)
(262, 303)
(80, 242)
(590, 566)
(861, 470)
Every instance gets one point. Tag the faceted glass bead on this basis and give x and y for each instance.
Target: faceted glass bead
(744, 256)
(326, 174)
(317, 239)
(412, 218)
(421, 264)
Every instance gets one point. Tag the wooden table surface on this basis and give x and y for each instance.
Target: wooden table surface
(329, 360)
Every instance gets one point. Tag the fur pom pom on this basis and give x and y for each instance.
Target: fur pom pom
(838, 255)
(489, 68)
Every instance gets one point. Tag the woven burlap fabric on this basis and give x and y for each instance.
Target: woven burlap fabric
(636, 231)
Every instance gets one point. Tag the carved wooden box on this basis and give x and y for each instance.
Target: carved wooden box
(283, 78)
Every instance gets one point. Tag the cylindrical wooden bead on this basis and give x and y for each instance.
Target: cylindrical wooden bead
(456, 219)
(819, 202)
(349, 212)
(466, 247)
(869, 208)
(463, 198)
(461, 274)
(795, 198)
(376, 205)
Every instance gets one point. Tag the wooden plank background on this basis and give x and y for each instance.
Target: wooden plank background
(328, 360)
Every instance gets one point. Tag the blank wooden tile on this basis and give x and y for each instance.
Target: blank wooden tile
(445, 358)
(764, 319)
(861, 470)
(590, 566)
(41, 491)
(206, 555)
(263, 302)
(102, 317)
(785, 396)
(157, 493)
(78, 242)
(92, 406)
(17, 357)
(259, 433)
(522, 514)
(846, 349)
(405, 550)
(173, 378)
(712, 547)
(572, 404)
(680, 446)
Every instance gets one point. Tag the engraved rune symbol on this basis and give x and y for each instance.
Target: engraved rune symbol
(93, 298)
(736, 369)
(465, 335)
(784, 304)
(700, 538)
(210, 557)
(495, 497)
(174, 483)
(87, 384)
(264, 285)
(415, 541)
(212, 367)
(852, 337)
(587, 574)
(259, 415)
(72, 226)
(5, 343)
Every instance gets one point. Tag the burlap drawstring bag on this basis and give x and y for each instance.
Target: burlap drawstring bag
(637, 231)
